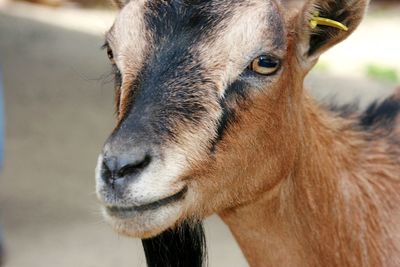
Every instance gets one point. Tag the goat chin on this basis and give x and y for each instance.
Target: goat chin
(146, 224)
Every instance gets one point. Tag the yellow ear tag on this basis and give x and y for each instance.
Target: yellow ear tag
(317, 20)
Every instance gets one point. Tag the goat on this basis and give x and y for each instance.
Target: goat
(212, 117)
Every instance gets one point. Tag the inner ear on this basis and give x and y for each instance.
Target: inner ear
(322, 37)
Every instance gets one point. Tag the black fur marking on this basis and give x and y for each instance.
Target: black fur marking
(344, 111)
(171, 92)
(181, 247)
(277, 24)
(132, 93)
(381, 115)
(235, 94)
(172, 87)
(228, 116)
(191, 20)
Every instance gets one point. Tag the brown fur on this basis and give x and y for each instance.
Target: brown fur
(336, 205)
(322, 194)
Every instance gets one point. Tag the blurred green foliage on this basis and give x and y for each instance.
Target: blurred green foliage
(322, 66)
(382, 73)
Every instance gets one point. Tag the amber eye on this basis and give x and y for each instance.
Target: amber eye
(265, 65)
(110, 55)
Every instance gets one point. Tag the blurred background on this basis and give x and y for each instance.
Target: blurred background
(58, 112)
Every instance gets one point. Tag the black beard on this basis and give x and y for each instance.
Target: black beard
(181, 247)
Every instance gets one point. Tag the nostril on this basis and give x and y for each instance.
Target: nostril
(116, 172)
(106, 172)
(134, 168)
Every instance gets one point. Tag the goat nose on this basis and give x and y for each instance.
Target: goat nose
(119, 170)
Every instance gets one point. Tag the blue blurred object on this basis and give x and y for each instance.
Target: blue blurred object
(1, 249)
(1, 152)
(1, 121)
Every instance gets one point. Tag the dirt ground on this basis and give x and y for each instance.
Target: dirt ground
(59, 110)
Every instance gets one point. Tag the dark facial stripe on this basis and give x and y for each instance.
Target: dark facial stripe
(276, 22)
(192, 20)
(123, 109)
(235, 95)
(171, 88)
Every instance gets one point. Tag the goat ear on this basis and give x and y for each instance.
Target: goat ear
(315, 36)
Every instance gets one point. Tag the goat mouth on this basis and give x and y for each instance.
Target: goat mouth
(127, 212)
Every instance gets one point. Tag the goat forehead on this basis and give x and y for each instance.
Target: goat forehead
(219, 31)
(128, 36)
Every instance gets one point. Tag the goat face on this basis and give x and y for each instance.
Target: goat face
(194, 120)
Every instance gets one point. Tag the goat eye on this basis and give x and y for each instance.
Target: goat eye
(110, 55)
(265, 65)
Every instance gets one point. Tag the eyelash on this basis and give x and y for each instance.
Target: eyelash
(115, 69)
